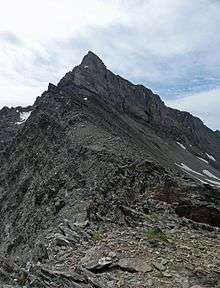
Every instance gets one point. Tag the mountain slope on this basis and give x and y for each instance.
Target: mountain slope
(145, 112)
(141, 103)
(141, 107)
(100, 149)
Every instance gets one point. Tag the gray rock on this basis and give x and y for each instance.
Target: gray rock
(134, 265)
(101, 264)
(61, 240)
(160, 264)
(197, 286)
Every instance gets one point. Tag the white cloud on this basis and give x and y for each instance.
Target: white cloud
(205, 105)
(168, 45)
(23, 95)
(54, 18)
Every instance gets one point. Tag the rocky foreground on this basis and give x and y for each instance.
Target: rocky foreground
(102, 185)
(111, 256)
(119, 239)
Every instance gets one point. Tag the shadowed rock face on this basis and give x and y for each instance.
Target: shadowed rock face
(10, 121)
(92, 74)
(99, 151)
(205, 215)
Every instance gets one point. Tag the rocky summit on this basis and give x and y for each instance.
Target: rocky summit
(102, 185)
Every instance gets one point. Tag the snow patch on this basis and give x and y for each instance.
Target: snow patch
(210, 157)
(202, 181)
(194, 173)
(207, 162)
(216, 183)
(85, 98)
(188, 169)
(181, 145)
(23, 117)
(86, 66)
(208, 173)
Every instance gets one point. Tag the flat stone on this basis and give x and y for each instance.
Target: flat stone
(97, 264)
(134, 265)
(197, 286)
(66, 274)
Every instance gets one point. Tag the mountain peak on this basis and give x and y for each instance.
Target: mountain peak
(93, 61)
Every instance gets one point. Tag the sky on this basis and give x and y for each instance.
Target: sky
(169, 46)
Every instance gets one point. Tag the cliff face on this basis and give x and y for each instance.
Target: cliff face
(96, 151)
(181, 126)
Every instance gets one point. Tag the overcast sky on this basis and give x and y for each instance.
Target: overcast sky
(170, 46)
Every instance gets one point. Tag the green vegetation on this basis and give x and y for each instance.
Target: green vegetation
(156, 234)
(97, 236)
